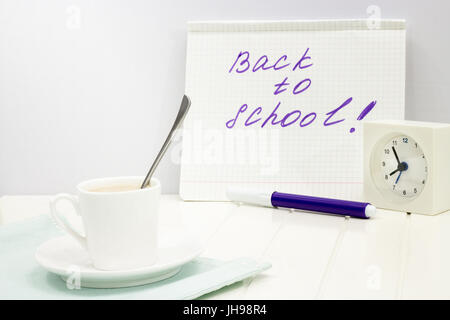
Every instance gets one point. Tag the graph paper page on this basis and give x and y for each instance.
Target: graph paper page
(278, 106)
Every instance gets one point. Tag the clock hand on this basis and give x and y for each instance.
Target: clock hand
(401, 167)
(396, 156)
(398, 177)
(393, 172)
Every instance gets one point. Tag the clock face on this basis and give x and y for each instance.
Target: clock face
(401, 167)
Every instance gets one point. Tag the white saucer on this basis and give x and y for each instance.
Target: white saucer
(64, 257)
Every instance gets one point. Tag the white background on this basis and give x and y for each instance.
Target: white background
(91, 88)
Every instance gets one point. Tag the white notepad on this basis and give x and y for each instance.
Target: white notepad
(307, 69)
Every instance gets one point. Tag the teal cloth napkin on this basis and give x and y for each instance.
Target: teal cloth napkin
(22, 278)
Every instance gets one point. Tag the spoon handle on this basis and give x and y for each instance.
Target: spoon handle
(184, 107)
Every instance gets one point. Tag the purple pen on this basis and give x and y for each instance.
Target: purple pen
(363, 210)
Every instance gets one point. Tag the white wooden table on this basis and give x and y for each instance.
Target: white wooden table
(313, 256)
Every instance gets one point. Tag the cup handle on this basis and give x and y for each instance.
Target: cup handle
(61, 222)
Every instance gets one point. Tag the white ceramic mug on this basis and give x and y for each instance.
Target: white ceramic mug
(120, 227)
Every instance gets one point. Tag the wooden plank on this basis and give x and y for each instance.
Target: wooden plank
(428, 258)
(299, 253)
(19, 208)
(368, 261)
(248, 232)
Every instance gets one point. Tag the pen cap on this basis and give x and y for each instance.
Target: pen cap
(239, 194)
(370, 211)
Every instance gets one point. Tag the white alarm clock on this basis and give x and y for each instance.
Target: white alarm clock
(407, 165)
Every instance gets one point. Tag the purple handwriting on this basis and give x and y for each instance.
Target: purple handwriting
(249, 118)
(245, 62)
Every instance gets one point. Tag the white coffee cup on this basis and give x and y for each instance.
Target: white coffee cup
(120, 227)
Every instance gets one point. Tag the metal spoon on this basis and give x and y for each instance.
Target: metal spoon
(184, 107)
